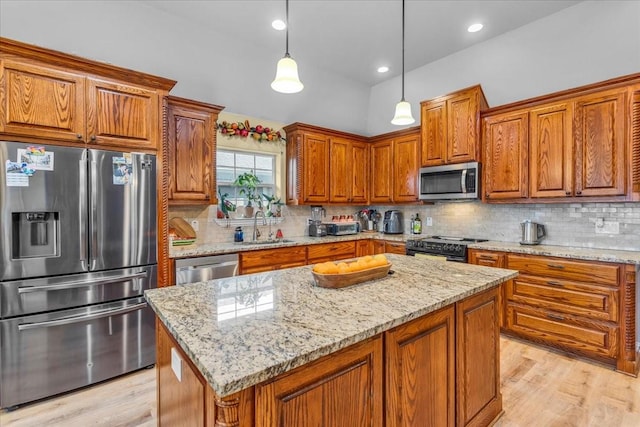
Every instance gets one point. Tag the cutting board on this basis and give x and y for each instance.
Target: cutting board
(183, 230)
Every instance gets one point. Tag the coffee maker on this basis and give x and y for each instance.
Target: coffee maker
(316, 227)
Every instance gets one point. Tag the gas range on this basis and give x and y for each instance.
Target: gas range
(453, 248)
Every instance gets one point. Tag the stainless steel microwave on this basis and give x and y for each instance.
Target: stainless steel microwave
(450, 182)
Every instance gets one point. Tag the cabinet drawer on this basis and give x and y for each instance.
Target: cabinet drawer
(594, 337)
(272, 259)
(395, 248)
(331, 251)
(597, 302)
(564, 269)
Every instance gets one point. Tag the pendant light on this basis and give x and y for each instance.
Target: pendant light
(287, 80)
(403, 114)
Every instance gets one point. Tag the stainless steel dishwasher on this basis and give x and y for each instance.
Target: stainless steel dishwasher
(201, 269)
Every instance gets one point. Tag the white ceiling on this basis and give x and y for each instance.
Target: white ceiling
(354, 37)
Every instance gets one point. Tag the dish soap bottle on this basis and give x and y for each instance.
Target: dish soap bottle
(238, 236)
(417, 225)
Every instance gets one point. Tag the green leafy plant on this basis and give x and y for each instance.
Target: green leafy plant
(226, 205)
(272, 201)
(248, 183)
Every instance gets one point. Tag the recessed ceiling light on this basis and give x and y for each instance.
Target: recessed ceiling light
(383, 69)
(279, 24)
(474, 28)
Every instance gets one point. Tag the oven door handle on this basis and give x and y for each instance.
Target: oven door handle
(82, 318)
(81, 283)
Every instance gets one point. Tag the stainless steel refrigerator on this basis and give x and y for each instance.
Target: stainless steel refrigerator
(77, 250)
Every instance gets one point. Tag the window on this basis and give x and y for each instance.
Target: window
(230, 164)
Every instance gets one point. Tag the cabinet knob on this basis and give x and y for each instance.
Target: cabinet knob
(93, 137)
(78, 136)
(486, 195)
(578, 192)
(207, 197)
(568, 193)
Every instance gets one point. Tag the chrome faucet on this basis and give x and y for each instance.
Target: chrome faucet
(256, 232)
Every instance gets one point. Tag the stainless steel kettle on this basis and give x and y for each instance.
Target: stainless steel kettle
(532, 233)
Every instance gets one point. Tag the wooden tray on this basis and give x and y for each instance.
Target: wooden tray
(182, 228)
(336, 281)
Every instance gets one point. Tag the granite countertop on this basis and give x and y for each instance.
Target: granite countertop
(590, 254)
(244, 330)
(219, 248)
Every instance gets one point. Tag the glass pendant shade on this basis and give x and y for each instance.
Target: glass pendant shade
(287, 80)
(403, 114)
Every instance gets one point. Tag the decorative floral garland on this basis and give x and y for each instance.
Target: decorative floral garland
(244, 130)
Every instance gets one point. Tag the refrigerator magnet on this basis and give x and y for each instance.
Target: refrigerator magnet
(15, 175)
(121, 171)
(36, 158)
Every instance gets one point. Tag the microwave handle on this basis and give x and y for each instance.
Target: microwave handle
(463, 180)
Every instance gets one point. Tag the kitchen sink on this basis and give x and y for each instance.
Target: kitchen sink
(268, 242)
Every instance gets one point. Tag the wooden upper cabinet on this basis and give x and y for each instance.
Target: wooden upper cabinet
(192, 151)
(406, 165)
(600, 144)
(119, 114)
(382, 172)
(48, 95)
(505, 155)
(325, 166)
(42, 102)
(395, 163)
(360, 172)
(434, 133)
(450, 127)
(551, 148)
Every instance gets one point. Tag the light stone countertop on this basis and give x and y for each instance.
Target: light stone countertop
(244, 330)
(225, 248)
(590, 254)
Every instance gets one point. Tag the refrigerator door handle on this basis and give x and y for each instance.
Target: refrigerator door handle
(82, 166)
(93, 216)
(81, 283)
(82, 318)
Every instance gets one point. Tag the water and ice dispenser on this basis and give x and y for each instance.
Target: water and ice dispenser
(35, 234)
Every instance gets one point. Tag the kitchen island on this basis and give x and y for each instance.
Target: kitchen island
(274, 349)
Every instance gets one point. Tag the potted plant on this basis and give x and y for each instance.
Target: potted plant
(274, 205)
(226, 205)
(248, 183)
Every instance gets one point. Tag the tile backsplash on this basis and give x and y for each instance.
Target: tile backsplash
(568, 224)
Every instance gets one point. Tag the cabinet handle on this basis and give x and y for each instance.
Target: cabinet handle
(78, 136)
(487, 257)
(554, 283)
(559, 266)
(207, 197)
(555, 316)
(487, 195)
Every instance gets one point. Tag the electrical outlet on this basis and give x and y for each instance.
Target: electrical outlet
(195, 224)
(608, 227)
(429, 221)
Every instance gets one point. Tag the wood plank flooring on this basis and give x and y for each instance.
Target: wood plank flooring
(539, 388)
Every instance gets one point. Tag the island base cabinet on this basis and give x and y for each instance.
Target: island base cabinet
(339, 390)
(478, 396)
(420, 372)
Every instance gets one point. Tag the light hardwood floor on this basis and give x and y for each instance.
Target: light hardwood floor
(539, 388)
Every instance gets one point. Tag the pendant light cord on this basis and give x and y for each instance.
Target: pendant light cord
(286, 54)
(402, 49)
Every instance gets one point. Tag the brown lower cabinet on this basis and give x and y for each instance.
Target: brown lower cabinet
(582, 307)
(441, 369)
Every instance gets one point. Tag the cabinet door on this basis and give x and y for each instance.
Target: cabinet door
(505, 156)
(600, 144)
(551, 148)
(462, 127)
(122, 115)
(378, 246)
(315, 168)
(331, 251)
(382, 172)
(360, 172)
(497, 260)
(478, 359)
(191, 156)
(395, 248)
(364, 247)
(406, 165)
(180, 400)
(434, 133)
(41, 102)
(420, 371)
(342, 389)
(341, 170)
